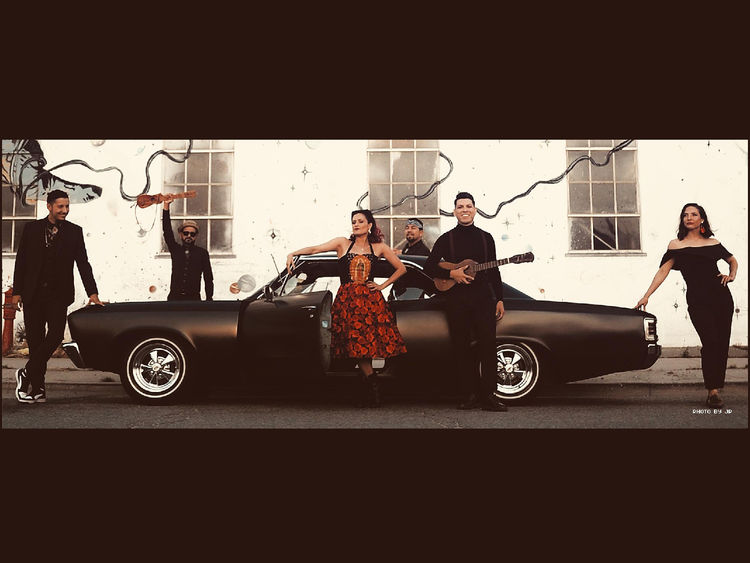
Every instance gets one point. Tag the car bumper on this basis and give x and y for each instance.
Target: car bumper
(71, 349)
(652, 354)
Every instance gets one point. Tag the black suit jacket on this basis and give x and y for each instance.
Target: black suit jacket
(69, 248)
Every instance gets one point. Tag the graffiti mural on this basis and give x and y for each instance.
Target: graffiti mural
(24, 169)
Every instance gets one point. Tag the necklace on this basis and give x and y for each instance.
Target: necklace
(49, 234)
(359, 248)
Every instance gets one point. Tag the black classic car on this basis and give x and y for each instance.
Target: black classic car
(164, 351)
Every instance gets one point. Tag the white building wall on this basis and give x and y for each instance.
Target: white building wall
(278, 208)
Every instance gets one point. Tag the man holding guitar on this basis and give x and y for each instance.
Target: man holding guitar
(473, 304)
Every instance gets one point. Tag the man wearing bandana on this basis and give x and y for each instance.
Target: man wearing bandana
(413, 232)
(415, 246)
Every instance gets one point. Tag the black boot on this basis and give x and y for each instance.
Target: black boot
(469, 403)
(374, 390)
(363, 392)
(494, 404)
(370, 391)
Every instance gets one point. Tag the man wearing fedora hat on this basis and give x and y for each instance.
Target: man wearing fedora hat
(188, 261)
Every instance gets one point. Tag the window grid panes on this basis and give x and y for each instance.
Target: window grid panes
(603, 203)
(14, 218)
(397, 169)
(209, 172)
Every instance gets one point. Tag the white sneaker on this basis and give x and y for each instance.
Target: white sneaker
(22, 386)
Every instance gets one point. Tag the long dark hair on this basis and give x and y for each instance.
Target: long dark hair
(375, 235)
(682, 229)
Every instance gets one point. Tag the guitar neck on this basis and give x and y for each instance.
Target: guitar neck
(488, 265)
(183, 194)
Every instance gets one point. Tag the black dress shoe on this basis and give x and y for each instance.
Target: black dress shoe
(714, 401)
(470, 403)
(494, 406)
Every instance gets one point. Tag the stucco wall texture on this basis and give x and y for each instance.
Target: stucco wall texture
(291, 193)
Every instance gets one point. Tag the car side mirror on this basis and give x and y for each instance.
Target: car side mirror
(267, 293)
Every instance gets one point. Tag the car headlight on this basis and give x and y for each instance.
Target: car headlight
(649, 329)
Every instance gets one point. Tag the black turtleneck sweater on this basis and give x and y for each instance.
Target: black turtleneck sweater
(467, 243)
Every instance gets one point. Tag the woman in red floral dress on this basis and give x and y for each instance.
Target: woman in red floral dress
(362, 325)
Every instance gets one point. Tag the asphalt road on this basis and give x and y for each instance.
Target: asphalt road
(572, 406)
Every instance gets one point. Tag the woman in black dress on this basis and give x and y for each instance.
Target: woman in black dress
(710, 303)
(362, 325)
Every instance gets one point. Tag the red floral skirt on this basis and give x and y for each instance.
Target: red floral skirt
(362, 325)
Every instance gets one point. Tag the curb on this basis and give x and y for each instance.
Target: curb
(668, 371)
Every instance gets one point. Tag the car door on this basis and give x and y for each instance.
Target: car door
(291, 333)
(420, 315)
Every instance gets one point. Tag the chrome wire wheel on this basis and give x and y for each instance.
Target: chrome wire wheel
(517, 371)
(156, 368)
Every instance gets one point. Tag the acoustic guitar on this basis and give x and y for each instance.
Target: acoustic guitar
(474, 267)
(144, 200)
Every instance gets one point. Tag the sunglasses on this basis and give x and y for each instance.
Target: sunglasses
(189, 233)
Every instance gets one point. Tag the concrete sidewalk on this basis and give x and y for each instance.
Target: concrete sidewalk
(664, 371)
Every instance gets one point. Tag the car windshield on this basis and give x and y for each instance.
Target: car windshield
(320, 273)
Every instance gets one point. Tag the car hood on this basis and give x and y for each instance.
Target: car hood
(159, 306)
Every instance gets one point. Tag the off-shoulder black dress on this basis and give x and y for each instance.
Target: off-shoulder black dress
(710, 305)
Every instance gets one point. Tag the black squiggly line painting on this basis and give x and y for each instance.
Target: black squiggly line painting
(24, 169)
(484, 214)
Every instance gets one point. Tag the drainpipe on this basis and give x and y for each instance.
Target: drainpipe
(9, 313)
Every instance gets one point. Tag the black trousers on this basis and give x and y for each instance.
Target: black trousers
(45, 311)
(713, 324)
(472, 315)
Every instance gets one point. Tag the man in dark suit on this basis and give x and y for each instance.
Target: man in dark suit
(43, 286)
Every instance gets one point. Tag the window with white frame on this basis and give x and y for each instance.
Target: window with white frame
(400, 168)
(209, 172)
(603, 204)
(15, 217)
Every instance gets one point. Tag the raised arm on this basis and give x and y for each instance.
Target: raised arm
(333, 244)
(166, 227)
